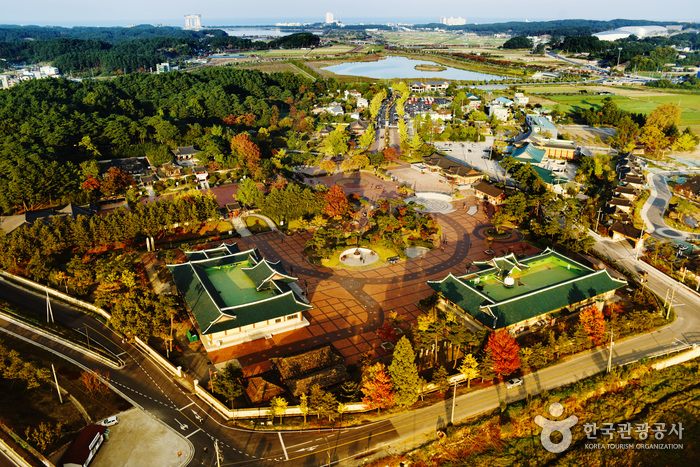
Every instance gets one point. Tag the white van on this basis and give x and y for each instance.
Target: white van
(109, 421)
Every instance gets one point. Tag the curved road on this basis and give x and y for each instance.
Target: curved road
(655, 207)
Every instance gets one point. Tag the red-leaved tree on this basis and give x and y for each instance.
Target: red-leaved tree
(594, 323)
(247, 152)
(377, 389)
(504, 353)
(336, 202)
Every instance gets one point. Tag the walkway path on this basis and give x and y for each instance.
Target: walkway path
(655, 207)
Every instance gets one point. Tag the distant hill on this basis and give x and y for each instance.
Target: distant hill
(112, 35)
(565, 27)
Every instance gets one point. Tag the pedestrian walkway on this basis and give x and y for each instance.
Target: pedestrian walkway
(240, 227)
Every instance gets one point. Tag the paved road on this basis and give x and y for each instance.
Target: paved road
(655, 207)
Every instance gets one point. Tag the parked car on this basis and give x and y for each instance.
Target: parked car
(515, 382)
(109, 421)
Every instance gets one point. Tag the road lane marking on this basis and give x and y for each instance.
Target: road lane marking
(286, 457)
(186, 406)
(198, 430)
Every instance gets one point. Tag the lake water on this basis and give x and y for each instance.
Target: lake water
(402, 67)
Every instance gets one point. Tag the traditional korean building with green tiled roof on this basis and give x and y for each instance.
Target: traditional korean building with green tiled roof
(515, 294)
(237, 296)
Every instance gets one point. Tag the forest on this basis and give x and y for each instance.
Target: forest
(78, 55)
(111, 35)
(52, 130)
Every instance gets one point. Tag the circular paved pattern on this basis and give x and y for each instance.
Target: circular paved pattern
(351, 285)
(352, 182)
(431, 205)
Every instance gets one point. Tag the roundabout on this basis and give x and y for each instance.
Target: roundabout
(358, 257)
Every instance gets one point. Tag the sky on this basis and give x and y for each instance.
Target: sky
(235, 12)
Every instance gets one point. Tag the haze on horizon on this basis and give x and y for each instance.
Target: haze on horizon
(225, 12)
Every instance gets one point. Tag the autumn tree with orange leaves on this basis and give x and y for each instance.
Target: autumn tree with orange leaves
(504, 353)
(247, 153)
(337, 204)
(377, 388)
(594, 323)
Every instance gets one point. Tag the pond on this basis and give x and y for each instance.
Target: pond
(402, 67)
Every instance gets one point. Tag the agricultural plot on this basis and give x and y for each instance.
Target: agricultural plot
(421, 38)
(272, 67)
(336, 49)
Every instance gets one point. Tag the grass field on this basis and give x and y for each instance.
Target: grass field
(691, 106)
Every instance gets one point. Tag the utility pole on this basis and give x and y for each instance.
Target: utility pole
(60, 398)
(454, 397)
(88, 336)
(598, 219)
(610, 353)
(49, 311)
(673, 294)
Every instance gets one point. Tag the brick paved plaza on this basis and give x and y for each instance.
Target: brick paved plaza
(349, 305)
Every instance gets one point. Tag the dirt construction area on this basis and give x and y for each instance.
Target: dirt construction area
(587, 134)
(138, 440)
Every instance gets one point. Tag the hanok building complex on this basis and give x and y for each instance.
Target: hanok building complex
(238, 296)
(462, 174)
(507, 293)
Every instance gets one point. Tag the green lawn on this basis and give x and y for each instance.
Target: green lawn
(689, 103)
(256, 225)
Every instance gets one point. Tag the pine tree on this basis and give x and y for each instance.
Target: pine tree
(404, 373)
(594, 323)
(441, 379)
(376, 387)
(504, 352)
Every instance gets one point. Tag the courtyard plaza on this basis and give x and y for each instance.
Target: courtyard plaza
(349, 306)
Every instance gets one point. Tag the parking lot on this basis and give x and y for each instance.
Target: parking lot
(477, 156)
(420, 105)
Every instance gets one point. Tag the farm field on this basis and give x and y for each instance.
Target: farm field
(272, 67)
(432, 38)
(336, 49)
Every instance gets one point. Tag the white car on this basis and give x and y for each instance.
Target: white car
(515, 382)
(109, 421)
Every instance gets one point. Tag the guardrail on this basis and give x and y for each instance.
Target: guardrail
(56, 293)
(117, 363)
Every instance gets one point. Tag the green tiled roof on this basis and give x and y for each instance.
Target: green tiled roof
(460, 293)
(509, 310)
(193, 289)
(554, 298)
(550, 177)
(207, 305)
(529, 152)
(275, 307)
